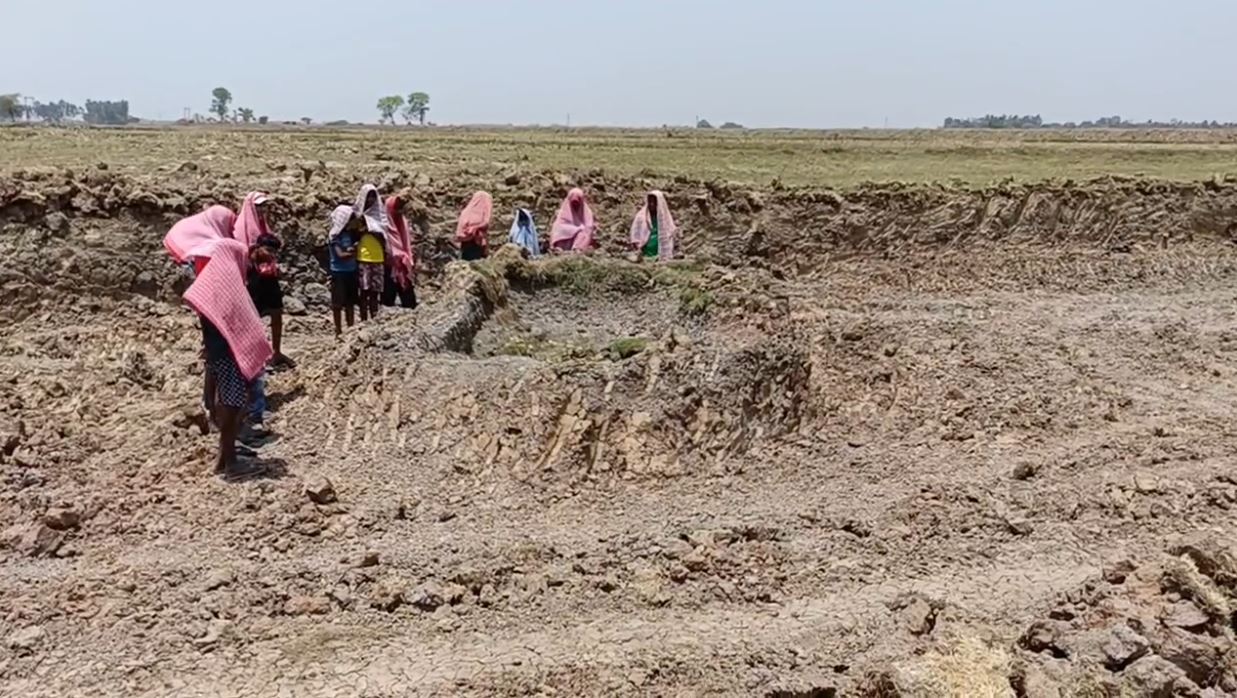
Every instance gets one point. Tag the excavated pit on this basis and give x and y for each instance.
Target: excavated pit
(638, 386)
(898, 439)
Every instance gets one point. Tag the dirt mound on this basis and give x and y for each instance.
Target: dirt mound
(1165, 627)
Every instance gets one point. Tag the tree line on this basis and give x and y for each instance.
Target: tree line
(1033, 121)
(416, 106)
(704, 123)
(15, 107)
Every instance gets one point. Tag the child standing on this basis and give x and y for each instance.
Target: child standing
(371, 249)
(342, 248)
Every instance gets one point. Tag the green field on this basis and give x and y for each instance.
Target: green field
(812, 158)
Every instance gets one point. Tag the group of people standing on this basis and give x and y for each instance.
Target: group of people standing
(370, 258)
(233, 261)
(653, 231)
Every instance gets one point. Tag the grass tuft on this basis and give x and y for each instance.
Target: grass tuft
(626, 347)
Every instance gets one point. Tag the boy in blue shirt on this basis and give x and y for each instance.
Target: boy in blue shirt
(343, 264)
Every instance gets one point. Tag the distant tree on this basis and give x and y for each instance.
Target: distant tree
(107, 112)
(704, 123)
(11, 107)
(221, 99)
(730, 125)
(418, 107)
(387, 106)
(246, 114)
(52, 112)
(263, 119)
(306, 120)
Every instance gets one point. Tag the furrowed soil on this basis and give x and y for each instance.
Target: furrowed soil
(893, 440)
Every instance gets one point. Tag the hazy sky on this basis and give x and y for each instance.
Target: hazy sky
(805, 63)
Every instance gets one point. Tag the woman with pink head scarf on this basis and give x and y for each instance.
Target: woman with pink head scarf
(574, 226)
(653, 231)
(402, 267)
(474, 226)
(189, 240)
(254, 232)
(234, 341)
(251, 224)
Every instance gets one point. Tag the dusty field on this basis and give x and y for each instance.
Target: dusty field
(911, 440)
(808, 158)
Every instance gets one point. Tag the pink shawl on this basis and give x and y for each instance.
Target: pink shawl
(192, 236)
(569, 230)
(250, 225)
(474, 220)
(666, 229)
(403, 261)
(218, 295)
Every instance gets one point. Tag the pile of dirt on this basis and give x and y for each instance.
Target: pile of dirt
(1166, 627)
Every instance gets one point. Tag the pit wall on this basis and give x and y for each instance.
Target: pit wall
(97, 231)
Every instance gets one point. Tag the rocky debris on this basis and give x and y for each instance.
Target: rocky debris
(215, 632)
(1045, 636)
(26, 639)
(307, 606)
(1155, 676)
(294, 306)
(387, 595)
(320, 491)
(1212, 557)
(1115, 572)
(40, 540)
(62, 519)
(1185, 614)
(1122, 646)
(316, 295)
(428, 597)
(710, 538)
(1163, 628)
(11, 434)
(919, 617)
(1025, 471)
(218, 578)
(368, 559)
(1034, 682)
(192, 417)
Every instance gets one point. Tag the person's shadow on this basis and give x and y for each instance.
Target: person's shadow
(258, 468)
(276, 400)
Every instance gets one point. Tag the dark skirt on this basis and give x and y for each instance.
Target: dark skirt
(471, 251)
(391, 291)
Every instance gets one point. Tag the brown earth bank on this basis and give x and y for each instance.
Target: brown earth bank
(898, 441)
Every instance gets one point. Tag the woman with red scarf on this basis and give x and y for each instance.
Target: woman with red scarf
(401, 268)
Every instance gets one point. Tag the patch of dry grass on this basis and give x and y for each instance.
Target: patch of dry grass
(1182, 575)
(969, 668)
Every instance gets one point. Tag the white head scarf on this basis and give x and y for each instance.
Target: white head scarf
(525, 236)
(340, 218)
(375, 215)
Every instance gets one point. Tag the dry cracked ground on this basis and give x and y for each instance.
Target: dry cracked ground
(918, 442)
